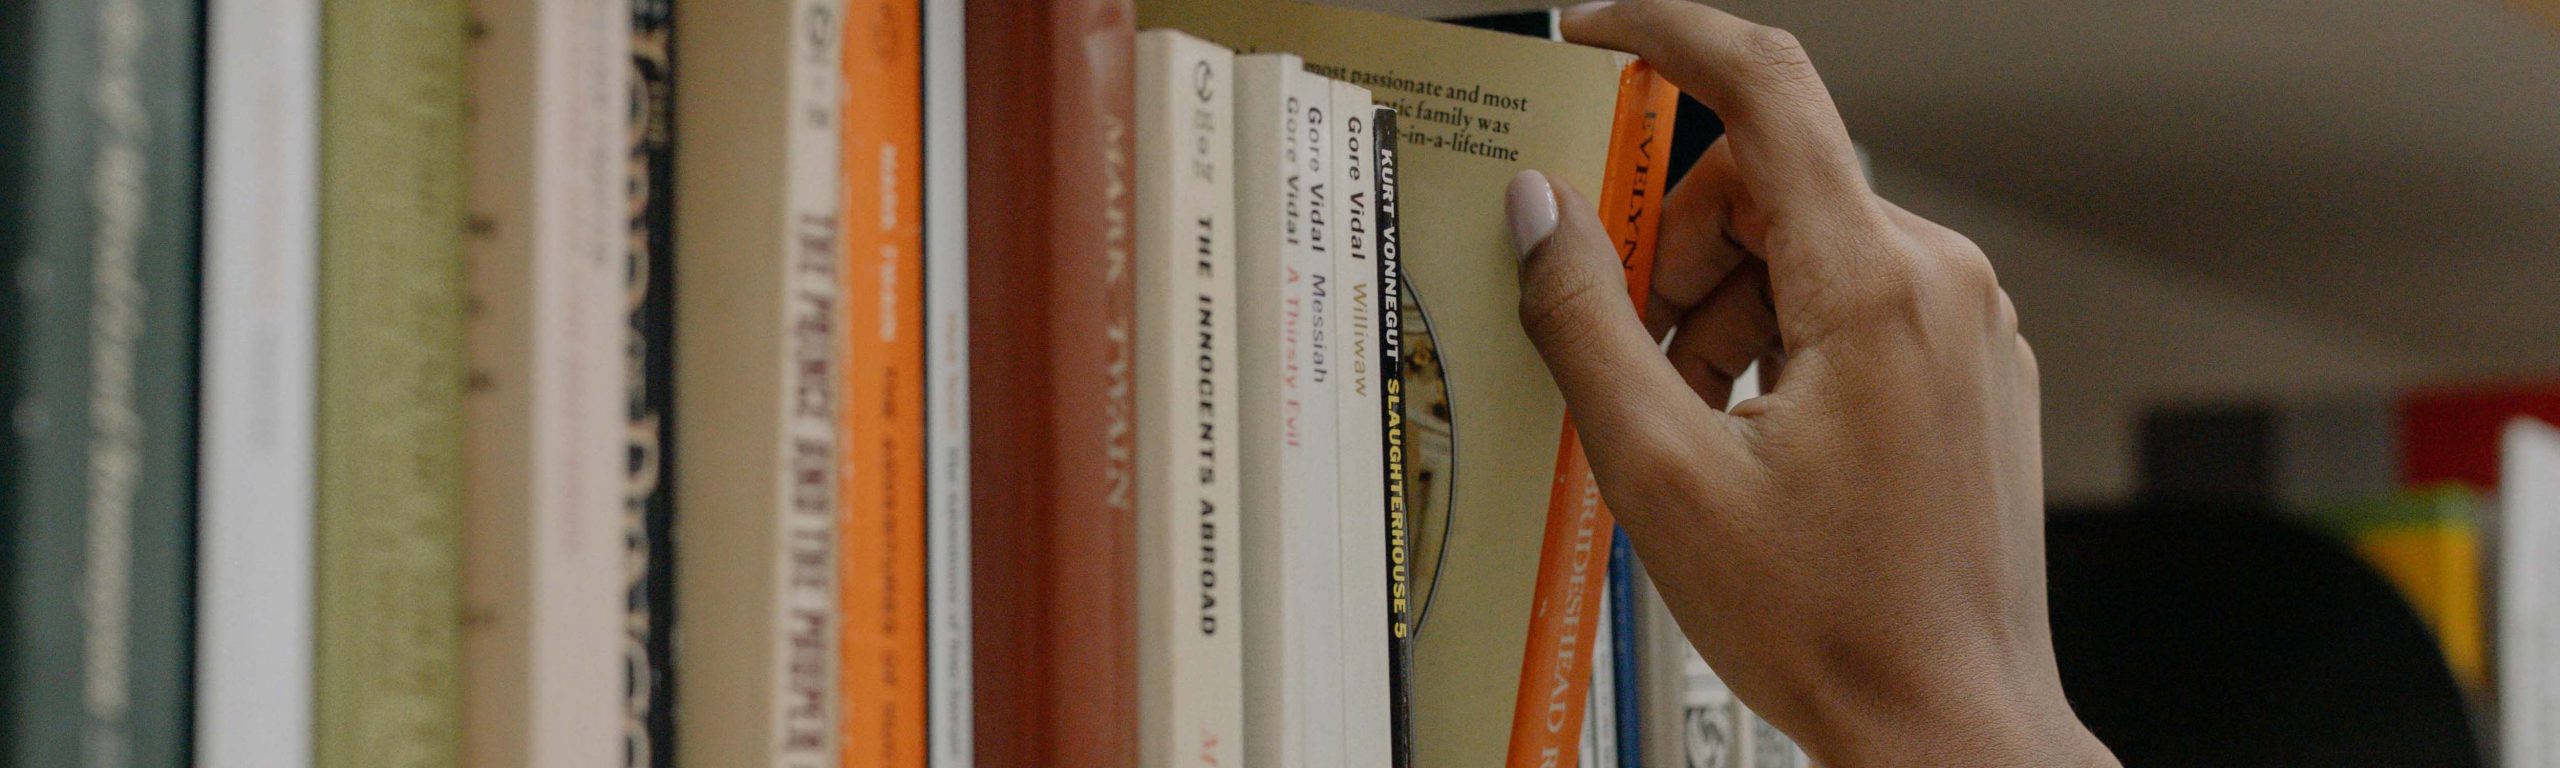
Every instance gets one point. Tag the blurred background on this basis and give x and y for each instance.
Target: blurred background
(2290, 270)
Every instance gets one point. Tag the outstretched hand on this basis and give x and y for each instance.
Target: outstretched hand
(1860, 551)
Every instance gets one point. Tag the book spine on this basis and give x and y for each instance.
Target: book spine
(945, 198)
(804, 655)
(101, 244)
(548, 260)
(1190, 646)
(648, 523)
(1367, 733)
(1600, 726)
(1555, 667)
(881, 539)
(1271, 455)
(393, 364)
(255, 514)
(759, 322)
(1313, 501)
(1626, 649)
(1399, 540)
(1711, 719)
(1052, 539)
(1664, 650)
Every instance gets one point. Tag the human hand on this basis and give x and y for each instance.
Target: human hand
(1860, 551)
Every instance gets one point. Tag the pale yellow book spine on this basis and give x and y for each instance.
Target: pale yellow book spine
(391, 378)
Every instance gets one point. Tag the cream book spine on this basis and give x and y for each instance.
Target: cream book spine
(1660, 654)
(1190, 643)
(757, 254)
(1600, 721)
(1367, 718)
(542, 529)
(2528, 601)
(255, 475)
(946, 283)
(1293, 570)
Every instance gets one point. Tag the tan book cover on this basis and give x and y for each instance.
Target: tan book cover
(1475, 108)
(757, 251)
(542, 533)
(391, 373)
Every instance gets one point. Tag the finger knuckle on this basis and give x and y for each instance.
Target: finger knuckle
(1971, 276)
(1556, 309)
(1776, 57)
(2007, 316)
(1892, 283)
(1662, 477)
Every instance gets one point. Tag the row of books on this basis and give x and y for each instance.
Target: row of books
(806, 382)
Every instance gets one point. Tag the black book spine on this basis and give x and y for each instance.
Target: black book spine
(1391, 371)
(649, 528)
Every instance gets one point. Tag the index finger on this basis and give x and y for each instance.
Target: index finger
(1787, 137)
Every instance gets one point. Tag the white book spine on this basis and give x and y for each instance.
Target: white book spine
(2528, 598)
(1600, 724)
(544, 527)
(1314, 507)
(1190, 628)
(1293, 683)
(1711, 720)
(254, 619)
(1367, 712)
(805, 654)
(1660, 653)
(583, 257)
(946, 255)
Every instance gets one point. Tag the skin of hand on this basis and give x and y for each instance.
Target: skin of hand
(1860, 551)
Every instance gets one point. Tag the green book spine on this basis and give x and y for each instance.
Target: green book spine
(391, 380)
(96, 485)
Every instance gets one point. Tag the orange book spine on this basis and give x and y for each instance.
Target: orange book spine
(1555, 670)
(882, 537)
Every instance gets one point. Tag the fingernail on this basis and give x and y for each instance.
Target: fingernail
(1579, 9)
(1532, 203)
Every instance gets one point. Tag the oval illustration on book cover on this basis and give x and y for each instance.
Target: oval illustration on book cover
(1431, 444)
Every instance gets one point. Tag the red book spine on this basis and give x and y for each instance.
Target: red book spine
(1051, 302)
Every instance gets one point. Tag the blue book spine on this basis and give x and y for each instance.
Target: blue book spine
(1624, 641)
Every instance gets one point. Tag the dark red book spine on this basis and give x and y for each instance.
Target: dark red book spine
(1053, 519)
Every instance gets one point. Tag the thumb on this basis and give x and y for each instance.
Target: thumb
(1637, 417)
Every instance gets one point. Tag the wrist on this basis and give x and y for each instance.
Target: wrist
(2032, 726)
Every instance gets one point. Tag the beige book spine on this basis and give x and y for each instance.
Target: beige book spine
(542, 545)
(756, 254)
(1190, 622)
(1368, 738)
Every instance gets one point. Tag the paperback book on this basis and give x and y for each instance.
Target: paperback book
(1190, 627)
(1473, 108)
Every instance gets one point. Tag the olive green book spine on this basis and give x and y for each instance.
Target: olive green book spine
(100, 249)
(392, 374)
